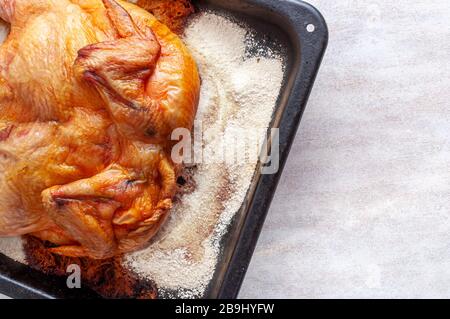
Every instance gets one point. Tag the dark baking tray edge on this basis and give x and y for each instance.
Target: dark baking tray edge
(292, 16)
(20, 281)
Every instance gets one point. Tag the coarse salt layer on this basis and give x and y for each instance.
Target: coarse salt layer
(237, 91)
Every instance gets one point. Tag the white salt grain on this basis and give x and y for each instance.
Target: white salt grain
(13, 248)
(237, 91)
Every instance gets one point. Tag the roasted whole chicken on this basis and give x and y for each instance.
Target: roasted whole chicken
(90, 92)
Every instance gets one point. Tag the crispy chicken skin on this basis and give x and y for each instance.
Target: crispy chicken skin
(90, 91)
(172, 13)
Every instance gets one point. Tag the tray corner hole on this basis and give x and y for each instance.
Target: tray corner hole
(310, 27)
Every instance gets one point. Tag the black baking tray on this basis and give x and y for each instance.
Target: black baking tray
(286, 25)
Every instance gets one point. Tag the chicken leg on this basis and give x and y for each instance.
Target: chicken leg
(116, 210)
(119, 69)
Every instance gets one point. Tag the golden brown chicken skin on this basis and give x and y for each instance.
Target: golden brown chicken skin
(90, 91)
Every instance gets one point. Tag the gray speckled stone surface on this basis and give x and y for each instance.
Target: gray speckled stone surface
(363, 208)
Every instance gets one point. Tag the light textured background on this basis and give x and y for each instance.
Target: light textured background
(363, 208)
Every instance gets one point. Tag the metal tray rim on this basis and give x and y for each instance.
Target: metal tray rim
(312, 46)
